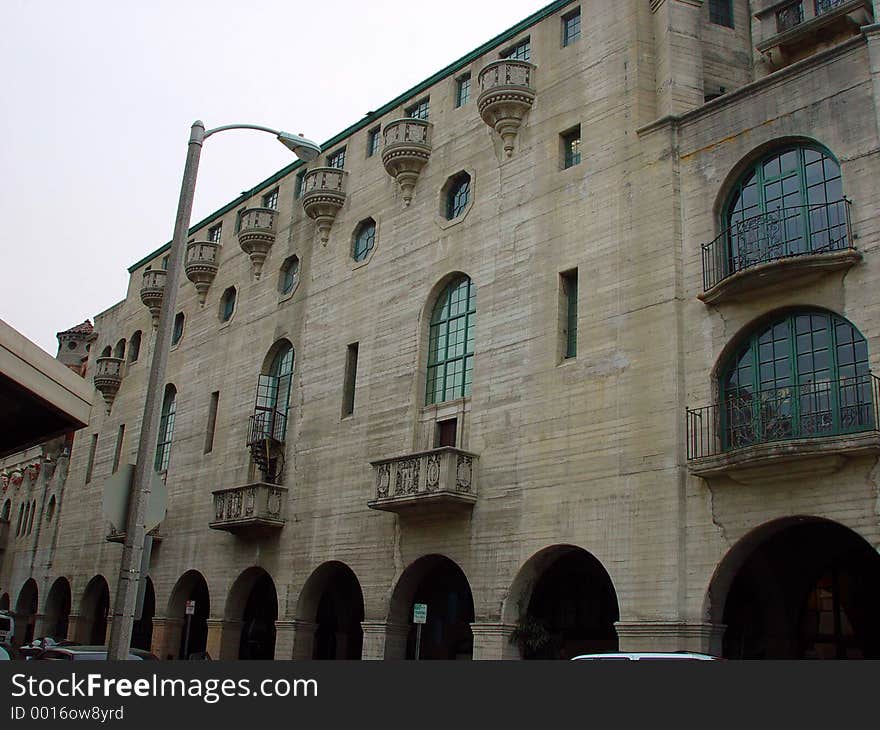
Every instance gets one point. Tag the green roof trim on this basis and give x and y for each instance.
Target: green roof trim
(371, 118)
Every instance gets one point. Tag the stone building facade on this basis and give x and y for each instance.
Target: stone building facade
(572, 342)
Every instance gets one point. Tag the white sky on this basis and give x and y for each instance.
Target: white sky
(100, 96)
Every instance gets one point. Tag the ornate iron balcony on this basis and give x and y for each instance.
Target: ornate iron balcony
(253, 509)
(781, 234)
(427, 480)
(811, 410)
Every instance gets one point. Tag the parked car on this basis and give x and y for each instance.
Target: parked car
(8, 651)
(81, 652)
(7, 627)
(647, 656)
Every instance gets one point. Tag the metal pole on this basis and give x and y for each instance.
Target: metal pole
(129, 572)
(418, 639)
(186, 637)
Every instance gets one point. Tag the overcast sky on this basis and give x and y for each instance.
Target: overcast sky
(100, 96)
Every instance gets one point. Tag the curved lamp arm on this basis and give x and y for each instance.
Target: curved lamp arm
(303, 148)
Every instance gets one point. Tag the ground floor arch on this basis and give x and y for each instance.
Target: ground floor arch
(563, 603)
(187, 633)
(57, 612)
(798, 588)
(253, 605)
(142, 630)
(94, 612)
(4, 602)
(333, 602)
(26, 612)
(440, 584)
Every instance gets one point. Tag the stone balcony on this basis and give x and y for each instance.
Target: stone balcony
(201, 265)
(406, 151)
(792, 30)
(256, 234)
(324, 191)
(251, 510)
(429, 482)
(507, 92)
(153, 291)
(108, 377)
(119, 535)
(783, 246)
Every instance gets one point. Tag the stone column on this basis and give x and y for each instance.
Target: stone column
(384, 640)
(679, 53)
(73, 626)
(670, 636)
(492, 641)
(43, 625)
(167, 633)
(294, 639)
(223, 638)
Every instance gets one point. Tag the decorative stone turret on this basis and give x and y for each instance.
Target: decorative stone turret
(507, 92)
(406, 152)
(108, 377)
(152, 292)
(201, 265)
(256, 234)
(324, 193)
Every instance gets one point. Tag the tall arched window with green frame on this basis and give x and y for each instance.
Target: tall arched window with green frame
(273, 395)
(166, 428)
(788, 203)
(451, 342)
(804, 374)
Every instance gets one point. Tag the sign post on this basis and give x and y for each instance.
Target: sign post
(190, 610)
(420, 617)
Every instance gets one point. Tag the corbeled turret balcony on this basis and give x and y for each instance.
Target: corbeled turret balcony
(782, 245)
(507, 92)
(406, 151)
(427, 482)
(256, 234)
(252, 510)
(108, 377)
(786, 432)
(152, 292)
(792, 30)
(201, 265)
(323, 194)
(119, 535)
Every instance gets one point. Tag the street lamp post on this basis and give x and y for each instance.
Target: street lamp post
(132, 554)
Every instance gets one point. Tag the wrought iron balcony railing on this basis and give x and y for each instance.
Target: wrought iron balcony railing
(809, 410)
(778, 234)
(266, 424)
(824, 6)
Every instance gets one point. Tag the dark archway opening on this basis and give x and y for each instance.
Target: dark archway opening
(58, 609)
(447, 632)
(194, 634)
(575, 606)
(26, 612)
(95, 610)
(142, 631)
(809, 591)
(258, 621)
(339, 634)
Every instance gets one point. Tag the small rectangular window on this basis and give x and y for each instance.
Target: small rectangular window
(214, 233)
(270, 200)
(337, 159)
(120, 437)
(373, 137)
(571, 27)
(569, 311)
(300, 184)
(351, 363)
(90, 464)
(238, 216)
(446, 433)
(212, 421)
(165, 260)
(419, 110)
(721, 12)
(571, 147)
(522, 51)
(462, 90)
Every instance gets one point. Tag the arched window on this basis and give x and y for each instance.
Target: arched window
(178, 328)
(458, 195)
(166, 428)
(364, 239)
(50, 513)
(451, 342)
(227, 304)
(134, 346)
(107, 352)
(804, 374)
(119, 350)
(289, 275)
(273, 396)
(20, 519)
(33, 514)
(789, 203)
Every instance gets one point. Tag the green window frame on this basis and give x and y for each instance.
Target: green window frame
(419, 110)
(337, 159)
(522, 51)
(177, 333)
(571, 27)
(299, 187)
(721, 12)
(458, 196)
(451, 343)
(227, 304)
(571, 147)
(166, 428)
(373, 137)
(273, 395)
(804, 374)
(570, 292)
(462, 90)
(289, 273)
(364, 240)
(270, 199)
(215, 232)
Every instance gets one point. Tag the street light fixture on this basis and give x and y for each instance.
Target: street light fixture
(133, 551)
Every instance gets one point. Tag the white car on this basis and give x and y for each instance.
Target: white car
(647, 656)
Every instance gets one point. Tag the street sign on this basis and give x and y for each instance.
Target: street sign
(117, 492)
(190, 608)
(420, 613)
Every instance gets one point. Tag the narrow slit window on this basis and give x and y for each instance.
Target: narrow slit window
(90, 464)
(351, 360)
(569, 310)
(117, 454)
(212, 421)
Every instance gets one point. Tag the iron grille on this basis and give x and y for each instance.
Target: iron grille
(789, 17)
